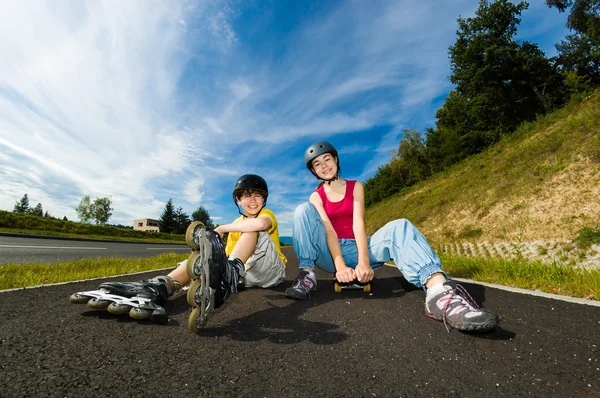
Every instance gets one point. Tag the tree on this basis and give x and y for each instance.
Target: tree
(499, 82)
(412, 153)
(22, 206)
(579, 53)
(46, 214)
(84, 209)
(168, 221)
(100, 210)
(65, 218)
(202, 215)
(37, 210)
(182, 220)
(584, 17)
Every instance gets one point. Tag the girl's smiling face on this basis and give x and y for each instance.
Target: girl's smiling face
(325, 166)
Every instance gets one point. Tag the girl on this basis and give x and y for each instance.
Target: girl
(329, 232)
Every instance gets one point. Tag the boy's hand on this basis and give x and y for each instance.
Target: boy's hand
(364, 273)
(345, 275)
(219, 231)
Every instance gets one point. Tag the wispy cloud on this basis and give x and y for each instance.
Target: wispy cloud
(176, 99)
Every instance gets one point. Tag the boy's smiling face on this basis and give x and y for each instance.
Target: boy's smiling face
(251, 201)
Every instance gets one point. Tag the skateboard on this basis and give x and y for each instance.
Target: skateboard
(355, 285)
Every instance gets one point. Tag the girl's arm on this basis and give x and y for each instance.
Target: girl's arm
(261, 223)
(364, 272)
(343, 272)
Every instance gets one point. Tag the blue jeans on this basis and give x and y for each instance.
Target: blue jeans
(398, 240)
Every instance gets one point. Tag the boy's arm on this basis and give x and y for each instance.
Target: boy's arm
(261, 223)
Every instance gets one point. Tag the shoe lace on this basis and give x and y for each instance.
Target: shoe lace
(462, 294)
(303, 282)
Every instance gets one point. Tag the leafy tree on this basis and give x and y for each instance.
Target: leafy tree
(46, 214)
(168, 220)
(22, 206)
(84, 209)
(580, 52)
(65, 218)
(202, 215)
(584, 17)
(37, 210)
(499, 82)
(183, 220)
(412, 153)
(101, 210)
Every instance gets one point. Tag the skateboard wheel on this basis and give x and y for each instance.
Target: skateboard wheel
(77, 298)
(140, 313)
(191, 232)
(337, 287)
(367, 288)
(98, 304)
(118, 309)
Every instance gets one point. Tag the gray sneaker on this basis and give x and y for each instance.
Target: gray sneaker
(302, 286)
(457, 309)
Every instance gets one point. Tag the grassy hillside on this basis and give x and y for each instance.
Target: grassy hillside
(540, 184)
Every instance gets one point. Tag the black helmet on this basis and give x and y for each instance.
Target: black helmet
(317, 149)
(250, 181)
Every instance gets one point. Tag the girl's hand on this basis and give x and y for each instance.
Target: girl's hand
(364, 273)
(219, 231)
(345, 275)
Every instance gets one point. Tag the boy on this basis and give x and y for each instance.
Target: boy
(252, 258)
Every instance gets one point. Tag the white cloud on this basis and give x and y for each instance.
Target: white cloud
(177, 99)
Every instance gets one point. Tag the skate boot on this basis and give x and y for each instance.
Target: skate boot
(141, 300)
(213, 276)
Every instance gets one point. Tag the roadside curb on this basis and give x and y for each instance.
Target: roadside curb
(532, 292)
(16, 235)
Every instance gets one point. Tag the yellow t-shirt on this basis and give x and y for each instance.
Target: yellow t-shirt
(273, 232)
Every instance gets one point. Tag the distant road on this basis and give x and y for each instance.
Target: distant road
(25, 250)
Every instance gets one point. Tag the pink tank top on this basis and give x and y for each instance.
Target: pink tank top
(340, 213)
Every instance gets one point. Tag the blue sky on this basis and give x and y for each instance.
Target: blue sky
(151, 100)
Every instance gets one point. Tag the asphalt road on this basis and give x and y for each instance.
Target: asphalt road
(262, 344)
(23, 249)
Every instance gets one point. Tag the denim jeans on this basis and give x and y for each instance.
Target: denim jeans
(398, 240)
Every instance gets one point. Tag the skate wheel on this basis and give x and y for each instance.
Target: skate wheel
(337, 287)
(191, 293)
(77, 298)
(140, 313)
(118, 309)
(193, 320)
(192, 232)
(98, 304)
(189, 265)
(367, 288)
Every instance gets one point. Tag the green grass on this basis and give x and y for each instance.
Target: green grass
(33, 274)
(519, 166)
(552, 278)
